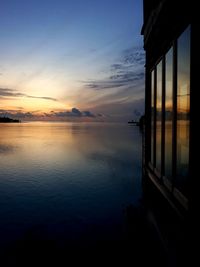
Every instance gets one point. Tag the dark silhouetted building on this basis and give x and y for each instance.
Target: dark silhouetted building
(169, 160)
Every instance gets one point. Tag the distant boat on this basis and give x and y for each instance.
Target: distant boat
(139, 123)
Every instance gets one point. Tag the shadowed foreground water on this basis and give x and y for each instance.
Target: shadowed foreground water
(70, 191)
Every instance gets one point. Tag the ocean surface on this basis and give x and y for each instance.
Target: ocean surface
(70, 183)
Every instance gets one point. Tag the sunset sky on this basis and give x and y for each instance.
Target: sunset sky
(71, 59)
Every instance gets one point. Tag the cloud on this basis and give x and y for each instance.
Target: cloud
(120, 79)
(100, 115)
(116, 66)
(87, 113)
(127, 77)
(6, 93)
(42, 97)
(129, 71)
(73, 113)
(76, 112)
(134, 56)
(15, 114)
(34, 115)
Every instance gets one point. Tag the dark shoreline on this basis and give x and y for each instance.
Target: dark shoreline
(8, 120)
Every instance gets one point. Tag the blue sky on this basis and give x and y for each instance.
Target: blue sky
(64, 54)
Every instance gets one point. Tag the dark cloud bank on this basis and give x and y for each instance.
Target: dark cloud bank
(74, 113)
(53, 115)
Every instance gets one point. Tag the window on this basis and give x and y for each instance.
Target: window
(168, 113)
(183, 108)
(152, 116)
(158, 115)
(170, 89)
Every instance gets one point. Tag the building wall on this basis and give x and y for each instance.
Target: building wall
(168, 40)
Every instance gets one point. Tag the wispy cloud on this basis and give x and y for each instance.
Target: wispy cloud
(134, 56)
(6, 93)
(129, 71)
(120, 93)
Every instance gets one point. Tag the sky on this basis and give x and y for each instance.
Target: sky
(71, 59)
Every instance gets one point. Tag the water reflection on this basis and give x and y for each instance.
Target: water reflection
(152, 115)
(6, 148)
(73, 180)
(168, 114)
(183, 109)
(158, 116)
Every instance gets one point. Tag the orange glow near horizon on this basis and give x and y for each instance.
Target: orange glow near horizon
(36, 105)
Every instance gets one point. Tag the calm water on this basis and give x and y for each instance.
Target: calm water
(67, 181)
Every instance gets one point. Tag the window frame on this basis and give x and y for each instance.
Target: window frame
(169, 184)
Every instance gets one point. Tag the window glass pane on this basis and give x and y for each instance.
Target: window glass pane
(152, 117)
(168, 113)
(158, 116)
(183, 108)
